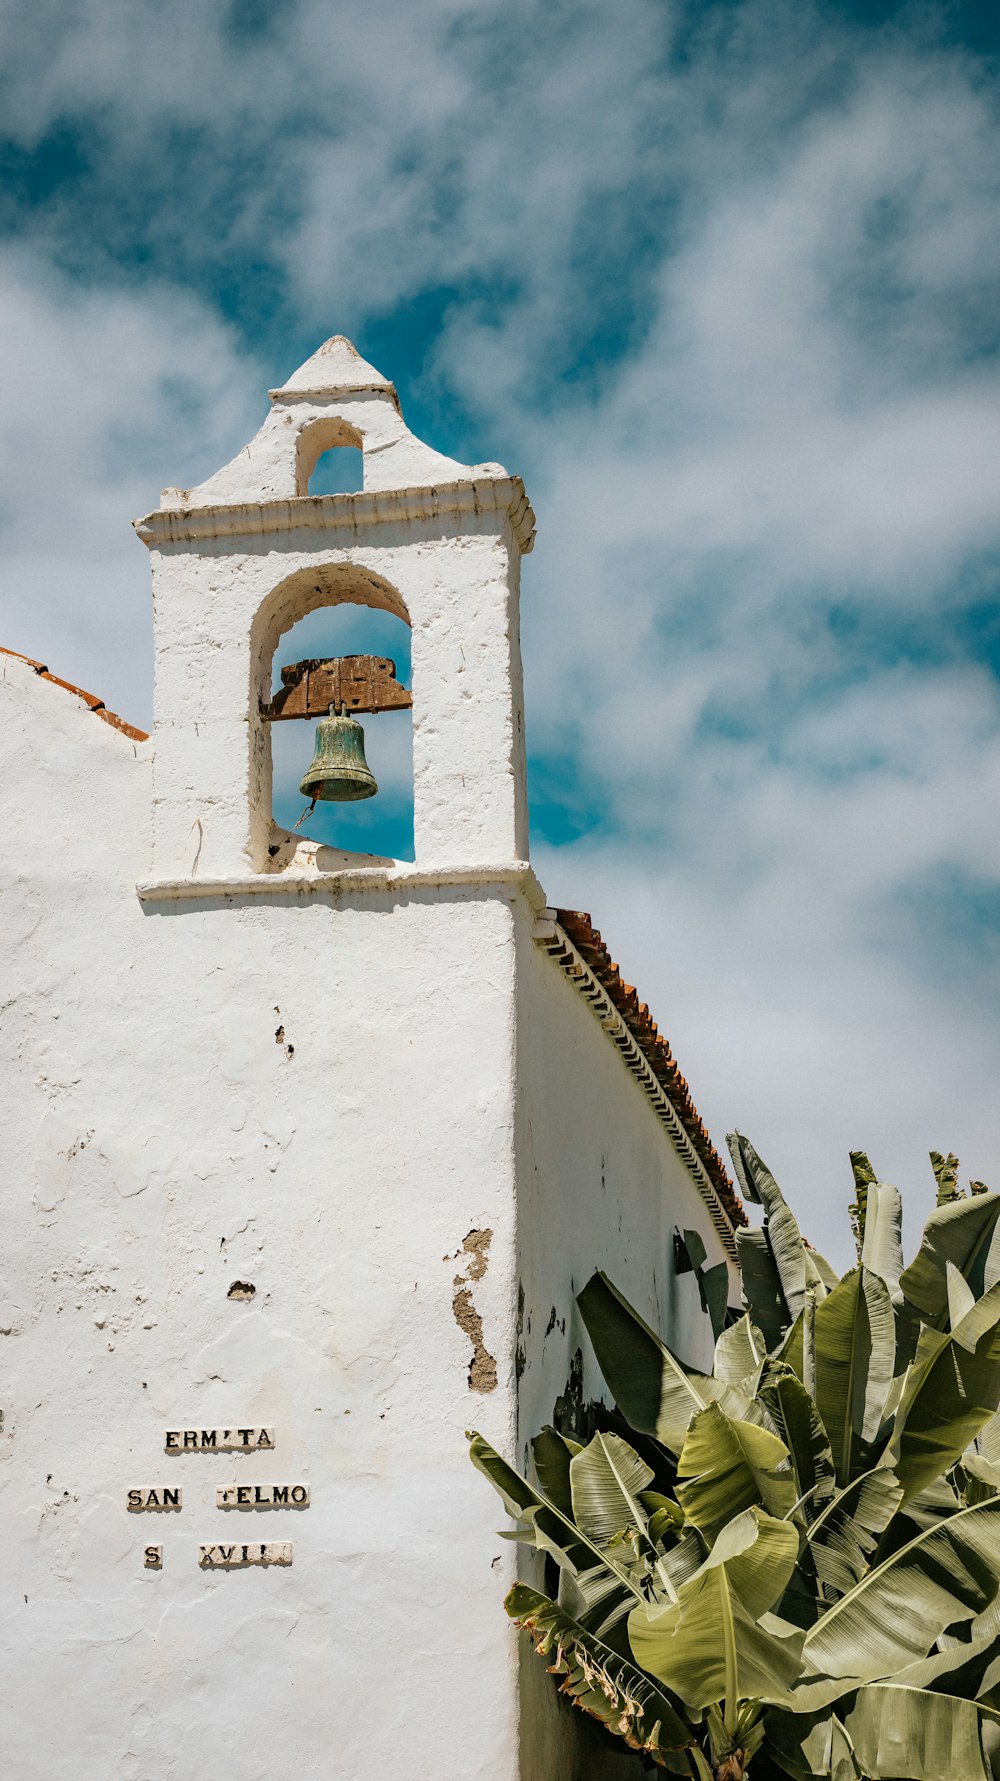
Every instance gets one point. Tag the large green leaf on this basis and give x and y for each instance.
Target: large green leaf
(783, 1234)
(606, 1479)
(937, 1502)
(975, 1320)
(595, 1597)
(589, 1592)
(819, 1274)
(988, 1441)
(882, 1254)
(950, 1395)
(864, 1181)
(552, 1453)
(963, 1668)
(894, 1615)
(926, 1737)
(961, 1297)
(654, 1392)
(726, 1465)
(842, 1538)
(543, 1525)
(979, 1478)
(855, 1346)
(810, 1744)
(882, 1250)
(798, 1264)
(601, 1682)
(961, 1232)
(707, 1646)
(797, 1420)
(596, 1586)
(762, 1292)
(740, 1353)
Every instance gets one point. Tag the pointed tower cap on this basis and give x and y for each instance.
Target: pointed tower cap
(335, 369)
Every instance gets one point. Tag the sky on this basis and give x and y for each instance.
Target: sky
(720, 280)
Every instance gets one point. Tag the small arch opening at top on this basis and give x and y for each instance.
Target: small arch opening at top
(329, 459)
(339, 471)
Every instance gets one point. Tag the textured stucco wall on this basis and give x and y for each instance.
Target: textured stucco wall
(159, 1144)
(321, 1095)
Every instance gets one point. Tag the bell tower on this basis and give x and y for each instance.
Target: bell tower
(307, 1155)
(240, 559)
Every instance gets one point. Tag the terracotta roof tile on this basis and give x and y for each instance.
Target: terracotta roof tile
(96, 705)
(636, 1017)
(119, 723)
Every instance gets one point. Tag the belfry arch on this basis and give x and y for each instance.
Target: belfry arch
(335, 592)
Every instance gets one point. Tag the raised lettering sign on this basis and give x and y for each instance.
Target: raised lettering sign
(262, 1496)
(153, 1558)
(228, 1558)
(219, 1440)
(160, 1496)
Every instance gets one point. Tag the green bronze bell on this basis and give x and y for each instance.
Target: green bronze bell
(338, 772)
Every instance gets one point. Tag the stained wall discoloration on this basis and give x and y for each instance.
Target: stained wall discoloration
(569, 1415)
(482, 1366)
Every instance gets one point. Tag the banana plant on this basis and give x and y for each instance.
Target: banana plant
(789, 1566)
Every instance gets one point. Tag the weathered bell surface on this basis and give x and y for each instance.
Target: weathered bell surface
(338, 771)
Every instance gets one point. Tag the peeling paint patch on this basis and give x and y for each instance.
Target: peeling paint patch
(477, 1247)
(482, 1366)
(241, 1289)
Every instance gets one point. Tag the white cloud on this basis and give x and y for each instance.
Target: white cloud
(108, 396)
(807, 887)
(761, 525)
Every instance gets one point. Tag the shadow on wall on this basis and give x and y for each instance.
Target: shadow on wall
(380, 825)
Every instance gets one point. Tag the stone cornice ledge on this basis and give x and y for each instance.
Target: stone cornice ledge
(350, 513)
(517, 875)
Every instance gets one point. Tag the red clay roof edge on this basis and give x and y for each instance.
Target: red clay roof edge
(636, 1016)
(96, 705)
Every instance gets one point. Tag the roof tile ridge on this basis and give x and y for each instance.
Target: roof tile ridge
(657, 1052)
(91, 700)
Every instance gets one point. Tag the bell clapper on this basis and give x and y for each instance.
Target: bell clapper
(306, 812)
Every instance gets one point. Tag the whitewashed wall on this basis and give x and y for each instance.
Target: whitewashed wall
(599, 1186)
(363, 1093)
(159, 1145)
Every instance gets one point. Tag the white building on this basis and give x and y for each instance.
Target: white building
(305, 1149)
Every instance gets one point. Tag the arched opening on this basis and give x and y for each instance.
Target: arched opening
(338, 471)
(329, 459)
(336, 612)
